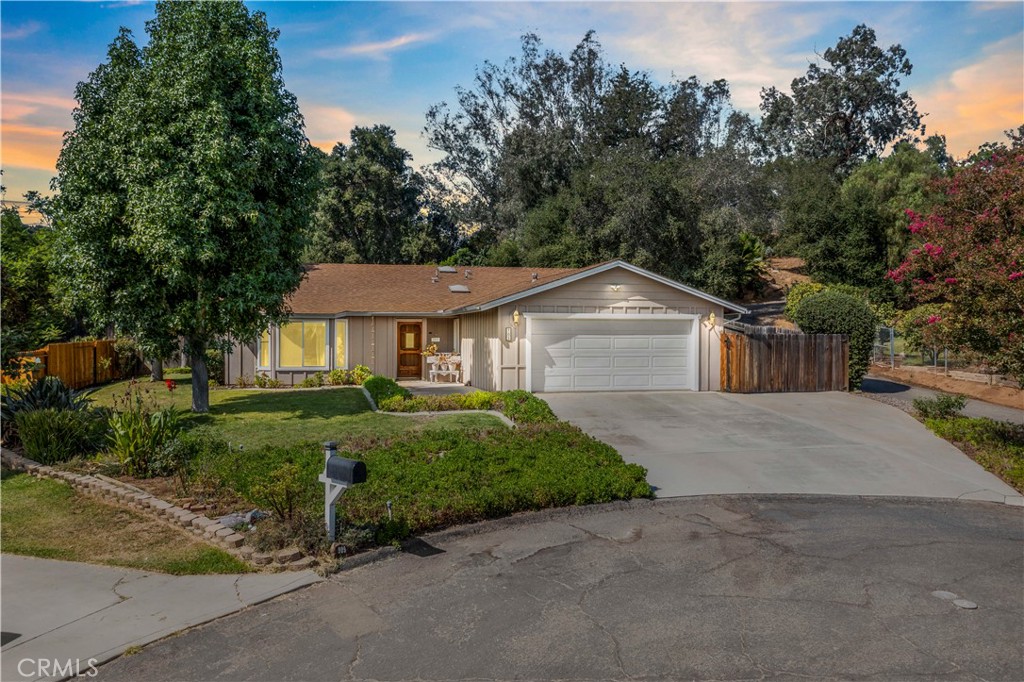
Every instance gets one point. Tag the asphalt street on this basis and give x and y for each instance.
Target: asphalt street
(722, 588)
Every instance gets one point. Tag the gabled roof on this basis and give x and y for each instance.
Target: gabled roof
(363, 289)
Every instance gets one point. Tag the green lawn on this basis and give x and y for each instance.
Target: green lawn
(283, 417)
(49, 519)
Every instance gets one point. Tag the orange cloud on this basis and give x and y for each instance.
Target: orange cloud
(326, 125)
(32, 129)
(977, 102)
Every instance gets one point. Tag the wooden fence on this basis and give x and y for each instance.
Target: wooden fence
(79, 364)
(773, 360)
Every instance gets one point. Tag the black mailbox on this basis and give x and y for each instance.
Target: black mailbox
(347, 471)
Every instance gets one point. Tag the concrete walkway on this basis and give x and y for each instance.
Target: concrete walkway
(66, 611)
(881, 386)
(791, 443)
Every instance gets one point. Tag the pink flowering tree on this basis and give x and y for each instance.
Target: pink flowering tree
(969, 255)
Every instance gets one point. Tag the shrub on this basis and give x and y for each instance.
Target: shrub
(798, 293)
(314, 381)
(305, 531)
(360, 374)
(138, 431)
(43, 393)
(243, 381)
(942, 406)
(178, 370)
(128, 357)
(338, 377)
(381, 387)
(281, 491)
(523, 407)
(176, 456)
(215, 364)
(51, 435)
(480, 400)
(836, 312)
(263, 381)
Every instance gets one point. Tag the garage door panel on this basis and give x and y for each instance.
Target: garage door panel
(602, 354)
(634, 381)
(631, 361)
(669, 342)
(583, 362)
(592, 343)
(632, 343)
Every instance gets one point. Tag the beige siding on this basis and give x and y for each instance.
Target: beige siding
(440, 328)
(480, 350)
(240, 362)
(595, 294)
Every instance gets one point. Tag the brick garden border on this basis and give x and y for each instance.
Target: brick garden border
(103, 488)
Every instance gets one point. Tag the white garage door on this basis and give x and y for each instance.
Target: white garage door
(634, 354)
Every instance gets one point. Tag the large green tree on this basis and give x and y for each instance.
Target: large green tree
(373, 208)
(186, 185)
(848, 109)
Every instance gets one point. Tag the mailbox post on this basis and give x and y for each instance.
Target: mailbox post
(339, 473)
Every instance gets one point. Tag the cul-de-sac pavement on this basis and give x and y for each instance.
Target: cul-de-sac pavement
(877, 580)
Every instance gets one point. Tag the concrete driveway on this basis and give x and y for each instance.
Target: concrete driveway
(801, 443)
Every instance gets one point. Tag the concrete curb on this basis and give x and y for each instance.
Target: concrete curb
(438, 413)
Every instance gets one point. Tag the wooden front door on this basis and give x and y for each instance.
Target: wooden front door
(410, 356)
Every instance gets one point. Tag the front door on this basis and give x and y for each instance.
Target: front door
(409, 350)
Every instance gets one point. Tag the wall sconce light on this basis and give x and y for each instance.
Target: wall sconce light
(616, 287)
(508, 334)
(711, 320)
(515, 318)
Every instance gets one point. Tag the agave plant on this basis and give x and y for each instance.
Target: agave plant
(44, 393)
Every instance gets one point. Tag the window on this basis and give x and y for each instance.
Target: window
(340, 331)
(264, 350)
(304, 344)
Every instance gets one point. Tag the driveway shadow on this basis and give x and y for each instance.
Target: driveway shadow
(870, 385)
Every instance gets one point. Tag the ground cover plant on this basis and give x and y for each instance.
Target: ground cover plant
(997, 446)
(49, 519)
(438, 477)
(521, 407)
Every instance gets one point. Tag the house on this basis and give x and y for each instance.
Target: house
(612, 326)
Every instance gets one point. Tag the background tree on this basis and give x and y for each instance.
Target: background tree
(185, 186)
(969, 254)
(369, 206)
(31, 316)
(848, 110)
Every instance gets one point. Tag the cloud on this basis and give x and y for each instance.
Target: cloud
(977, 102)
(327, 125)
(33, 126)
(375, 50)
(21, 31)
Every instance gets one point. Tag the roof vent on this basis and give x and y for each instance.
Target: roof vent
(447, 268)
(533, 277)
(435, 279)
(458, 288)
(469, 274)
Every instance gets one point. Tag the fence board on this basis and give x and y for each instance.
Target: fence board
(767, 360)
(81, 363)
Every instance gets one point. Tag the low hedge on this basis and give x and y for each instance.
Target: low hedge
(382, 388)
(51, 435)
(521, 407)
(437, 478)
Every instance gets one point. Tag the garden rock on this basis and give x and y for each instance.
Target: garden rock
(262, 559)
(232, 520)
(234, 540)
(288, 555)
(302, 564)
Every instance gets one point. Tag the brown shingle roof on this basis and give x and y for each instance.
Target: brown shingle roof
(332, 288)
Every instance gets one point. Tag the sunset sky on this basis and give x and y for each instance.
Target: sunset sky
(364, 63)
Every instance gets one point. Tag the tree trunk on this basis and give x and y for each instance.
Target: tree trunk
(156, 369)
(200, 380)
